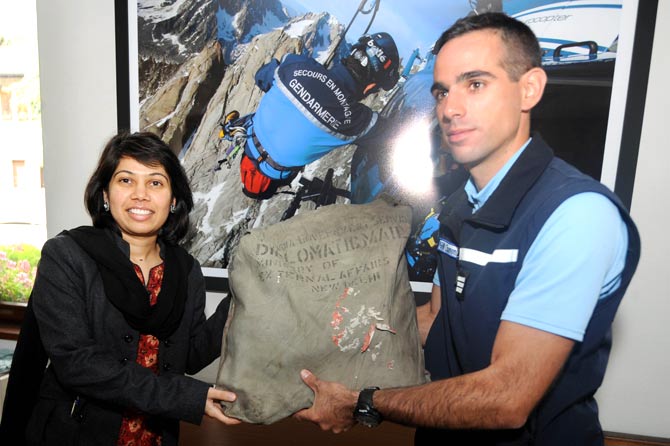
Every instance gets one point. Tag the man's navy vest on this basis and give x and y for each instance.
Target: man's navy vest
(461, 338)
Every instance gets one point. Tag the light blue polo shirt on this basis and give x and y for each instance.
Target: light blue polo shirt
(576, 259)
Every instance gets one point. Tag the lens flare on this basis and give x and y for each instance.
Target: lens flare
(412, 165)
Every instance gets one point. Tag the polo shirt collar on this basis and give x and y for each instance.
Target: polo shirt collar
(508, 187)
(478, 197)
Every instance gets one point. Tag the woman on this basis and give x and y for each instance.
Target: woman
(120, 310)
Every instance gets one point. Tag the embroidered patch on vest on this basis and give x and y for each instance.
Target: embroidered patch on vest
(461, 277)
(448, 248)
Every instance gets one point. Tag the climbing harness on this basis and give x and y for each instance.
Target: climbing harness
(320, 192)
(234, 129)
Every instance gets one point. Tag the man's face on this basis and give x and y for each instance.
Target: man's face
(479, 108)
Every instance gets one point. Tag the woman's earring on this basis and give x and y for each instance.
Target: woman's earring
(172, 208)
(105, 205)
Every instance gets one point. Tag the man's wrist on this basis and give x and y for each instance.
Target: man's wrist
(365, 412)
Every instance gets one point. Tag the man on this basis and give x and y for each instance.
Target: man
(534, 260)
(309, 110)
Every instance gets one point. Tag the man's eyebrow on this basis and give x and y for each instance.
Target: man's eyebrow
(474, 74)
(439, 86)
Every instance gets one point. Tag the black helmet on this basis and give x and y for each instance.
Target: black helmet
(378, 54)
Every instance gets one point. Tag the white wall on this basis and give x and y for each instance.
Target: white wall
(635, 396)
(77, 68)
(78, 89)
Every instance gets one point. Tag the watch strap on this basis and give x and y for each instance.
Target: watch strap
(365, 396)
(365, 412)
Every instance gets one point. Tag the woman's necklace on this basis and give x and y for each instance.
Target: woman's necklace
(150, 255)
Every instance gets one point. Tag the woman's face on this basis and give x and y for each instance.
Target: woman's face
(139, 198)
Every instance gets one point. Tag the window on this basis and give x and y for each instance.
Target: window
(18, 170)
(22, 214)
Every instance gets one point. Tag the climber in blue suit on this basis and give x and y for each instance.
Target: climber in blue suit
(309, 110)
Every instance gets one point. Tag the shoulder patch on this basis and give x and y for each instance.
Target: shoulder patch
(447, 247)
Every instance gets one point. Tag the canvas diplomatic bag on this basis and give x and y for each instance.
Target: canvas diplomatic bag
(327, 291)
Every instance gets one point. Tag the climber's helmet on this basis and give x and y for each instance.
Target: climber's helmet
(374, 58)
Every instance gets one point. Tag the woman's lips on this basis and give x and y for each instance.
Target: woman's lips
(140, 213)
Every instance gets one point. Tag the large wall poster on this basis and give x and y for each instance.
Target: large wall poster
(197, 60)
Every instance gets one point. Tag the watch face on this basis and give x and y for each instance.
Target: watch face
(368, 419)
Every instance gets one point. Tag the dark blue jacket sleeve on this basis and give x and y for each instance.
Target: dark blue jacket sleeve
(265, 75)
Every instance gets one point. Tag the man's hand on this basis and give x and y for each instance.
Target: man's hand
(213, 408)
(333, 406)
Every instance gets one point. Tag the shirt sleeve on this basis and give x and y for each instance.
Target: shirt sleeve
(576, 259)
(265, 75)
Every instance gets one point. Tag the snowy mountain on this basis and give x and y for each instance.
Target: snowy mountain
(239, 21)
(172, 31)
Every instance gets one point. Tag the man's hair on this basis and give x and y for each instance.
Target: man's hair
(522, 50)
(150, 150)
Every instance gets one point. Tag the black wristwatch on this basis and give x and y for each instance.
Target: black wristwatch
(365, 412)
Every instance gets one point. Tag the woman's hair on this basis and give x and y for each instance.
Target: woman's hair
(149, 150)
(522, 50)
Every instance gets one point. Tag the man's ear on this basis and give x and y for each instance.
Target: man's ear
(532, 86)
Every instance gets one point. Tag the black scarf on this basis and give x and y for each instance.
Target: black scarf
(127, 293)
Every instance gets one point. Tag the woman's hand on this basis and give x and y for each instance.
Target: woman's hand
(213, 408)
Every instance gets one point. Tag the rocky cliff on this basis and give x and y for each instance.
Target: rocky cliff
(169, 33)
(174, 111)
